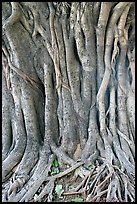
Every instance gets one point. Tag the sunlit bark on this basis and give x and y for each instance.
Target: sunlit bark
(68, 92)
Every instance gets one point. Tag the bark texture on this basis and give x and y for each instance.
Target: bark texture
(68, 92)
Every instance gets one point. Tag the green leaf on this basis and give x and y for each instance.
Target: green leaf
(55, 171)
(72, 187)
(59, 190)
(91, 166)
(55, 163)
(78, 199)
(35, 197)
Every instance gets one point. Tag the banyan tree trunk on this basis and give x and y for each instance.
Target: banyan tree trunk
(68, 92)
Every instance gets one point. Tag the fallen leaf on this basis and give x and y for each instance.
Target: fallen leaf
(71, 187)
(78, 199)
(59, 190)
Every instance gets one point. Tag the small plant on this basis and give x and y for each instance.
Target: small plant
(77, 199)
(91, 166)
(71, 187)
(59, 190)
(55, 168)
(55, 163)
(54, 171)
(35, 197)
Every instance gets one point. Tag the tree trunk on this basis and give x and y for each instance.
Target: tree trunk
(68, 93)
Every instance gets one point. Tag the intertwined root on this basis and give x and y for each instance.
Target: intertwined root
(106, 182)
(76, 75)
(99, 182)
(16, 183)
(111, 183)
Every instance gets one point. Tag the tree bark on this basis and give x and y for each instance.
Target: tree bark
(68, 93)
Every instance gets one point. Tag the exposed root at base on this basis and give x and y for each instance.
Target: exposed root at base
(101, 181)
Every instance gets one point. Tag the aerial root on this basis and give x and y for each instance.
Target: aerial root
(105, 181)
(47, 190)
(16, 183)
(109, 184)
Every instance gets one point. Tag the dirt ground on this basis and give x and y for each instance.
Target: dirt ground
(69, 183)
(70, 191)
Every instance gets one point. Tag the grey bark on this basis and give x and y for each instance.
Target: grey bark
(68, 92)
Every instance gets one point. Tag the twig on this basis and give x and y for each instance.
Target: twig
(87, 181)
(82, 190)
(85, 187)
(82, 183)
(51, 179)
(102, 183)
(65, 172)
(74, 192)
(19, 71)
(99, 195)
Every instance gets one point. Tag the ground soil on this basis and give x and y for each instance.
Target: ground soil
(66, 182)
